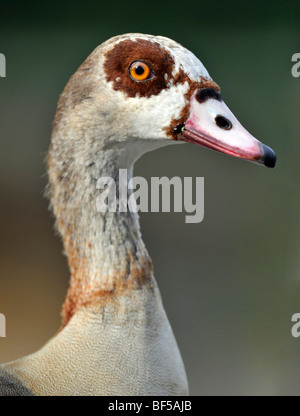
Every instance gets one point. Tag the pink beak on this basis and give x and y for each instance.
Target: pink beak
(212, 124)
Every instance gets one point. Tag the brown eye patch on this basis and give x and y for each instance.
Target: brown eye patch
(123, 54)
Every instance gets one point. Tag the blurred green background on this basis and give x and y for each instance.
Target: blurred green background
(229, 284)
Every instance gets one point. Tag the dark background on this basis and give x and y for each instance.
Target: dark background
(229, 284)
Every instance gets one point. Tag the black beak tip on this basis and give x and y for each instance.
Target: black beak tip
(269, 157)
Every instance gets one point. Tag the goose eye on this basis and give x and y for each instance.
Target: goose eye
(139, 71)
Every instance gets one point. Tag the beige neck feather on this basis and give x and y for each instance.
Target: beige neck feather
(105, 251)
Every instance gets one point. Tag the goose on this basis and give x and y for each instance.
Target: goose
(133, 94)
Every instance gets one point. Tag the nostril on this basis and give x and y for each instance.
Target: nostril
(223, 122)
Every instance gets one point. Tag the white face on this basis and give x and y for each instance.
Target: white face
(147, 108)
(151, 87)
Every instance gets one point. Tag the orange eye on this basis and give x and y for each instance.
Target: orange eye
(139, 71)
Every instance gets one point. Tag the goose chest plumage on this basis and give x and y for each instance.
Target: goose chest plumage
(133, 94)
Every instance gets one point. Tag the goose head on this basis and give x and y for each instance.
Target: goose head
(153, 91)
